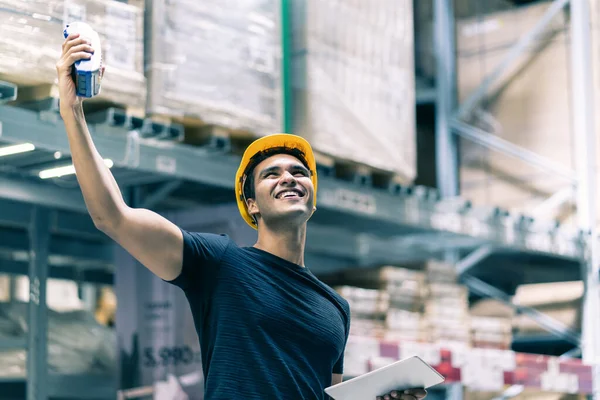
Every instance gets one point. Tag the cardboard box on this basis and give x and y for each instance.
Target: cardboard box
(354, 85)
(31, 39)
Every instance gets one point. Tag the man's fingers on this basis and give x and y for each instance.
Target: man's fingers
(69, 39)
(418, 393)
(77, 56)
(80, 48)
(69, 43)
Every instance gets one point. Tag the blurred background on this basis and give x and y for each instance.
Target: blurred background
(456, 145)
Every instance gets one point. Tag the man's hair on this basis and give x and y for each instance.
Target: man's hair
(259, 157)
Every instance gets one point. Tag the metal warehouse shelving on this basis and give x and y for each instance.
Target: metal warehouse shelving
(46, 232)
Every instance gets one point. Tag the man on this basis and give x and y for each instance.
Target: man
(268, 328)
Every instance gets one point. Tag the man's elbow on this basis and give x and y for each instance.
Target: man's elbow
(107, 224)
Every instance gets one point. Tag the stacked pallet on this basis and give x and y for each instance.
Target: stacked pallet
(31, 39)
(491, 325)
(429, 305)
(214, 63)
(404, 319)
(368, 308)
(446, 305)
(393, 300)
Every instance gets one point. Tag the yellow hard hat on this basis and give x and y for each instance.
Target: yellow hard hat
(283, 140)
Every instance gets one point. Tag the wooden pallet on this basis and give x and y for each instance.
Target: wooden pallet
(199, 133)
(45, 97)
(358, 173)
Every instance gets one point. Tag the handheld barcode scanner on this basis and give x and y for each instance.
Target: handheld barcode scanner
(86, 73)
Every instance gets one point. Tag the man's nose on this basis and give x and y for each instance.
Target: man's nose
(288, 178)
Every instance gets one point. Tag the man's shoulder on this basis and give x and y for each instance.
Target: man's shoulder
(206, 244)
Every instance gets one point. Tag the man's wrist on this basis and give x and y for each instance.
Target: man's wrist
(72, 111)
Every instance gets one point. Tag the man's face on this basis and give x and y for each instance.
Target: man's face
(283, 190)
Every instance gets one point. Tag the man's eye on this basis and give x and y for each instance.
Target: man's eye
(300, 173)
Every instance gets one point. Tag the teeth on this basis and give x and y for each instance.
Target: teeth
(285, 194)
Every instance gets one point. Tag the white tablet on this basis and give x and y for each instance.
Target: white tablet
(409, 373)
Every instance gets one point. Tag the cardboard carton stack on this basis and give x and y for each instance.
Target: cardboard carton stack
(491, 325)
(391, 307)
(368, 309)
(215, 62)
(354, 84)
(31, 39)
(446, 305)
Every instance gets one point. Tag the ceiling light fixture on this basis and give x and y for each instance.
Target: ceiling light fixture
(57, 172)
(16, 149)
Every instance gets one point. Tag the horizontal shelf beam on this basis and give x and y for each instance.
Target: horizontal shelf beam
(18, 240)
(125, 149)
(41, 194)
(361, 208)
(103, 276)
(13, 344)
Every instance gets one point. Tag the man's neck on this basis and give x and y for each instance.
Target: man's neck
(286, 244)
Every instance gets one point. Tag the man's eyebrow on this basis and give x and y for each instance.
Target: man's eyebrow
(299, 166)
(269, 169)
(275, 168)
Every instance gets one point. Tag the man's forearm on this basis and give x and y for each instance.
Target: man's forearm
(101, 193)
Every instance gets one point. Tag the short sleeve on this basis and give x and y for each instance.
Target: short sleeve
(202, 253)
(338, 367)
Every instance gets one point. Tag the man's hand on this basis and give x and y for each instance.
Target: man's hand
(409, 394)
(74, 48)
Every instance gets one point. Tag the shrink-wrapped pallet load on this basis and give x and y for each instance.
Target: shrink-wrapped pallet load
(353, 81)
(31, 36)
(215, 62)
(77, 344)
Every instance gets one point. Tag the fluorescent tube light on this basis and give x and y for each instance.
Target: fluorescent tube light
(65, 170)
(16, 149)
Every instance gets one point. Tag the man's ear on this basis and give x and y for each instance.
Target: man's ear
(252, 207)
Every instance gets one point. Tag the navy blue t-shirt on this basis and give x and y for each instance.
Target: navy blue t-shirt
(268, 328)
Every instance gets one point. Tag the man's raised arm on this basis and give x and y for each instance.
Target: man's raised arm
(151, 239)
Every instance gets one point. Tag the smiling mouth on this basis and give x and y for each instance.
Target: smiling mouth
(290, 194)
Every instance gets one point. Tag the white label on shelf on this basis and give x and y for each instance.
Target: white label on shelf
(474, 227)
(447, 221)
(351, 200)
(166, 164)
(509, 231)
(565, 247)
(538, 241)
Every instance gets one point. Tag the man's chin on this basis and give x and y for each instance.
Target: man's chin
(298, 213)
